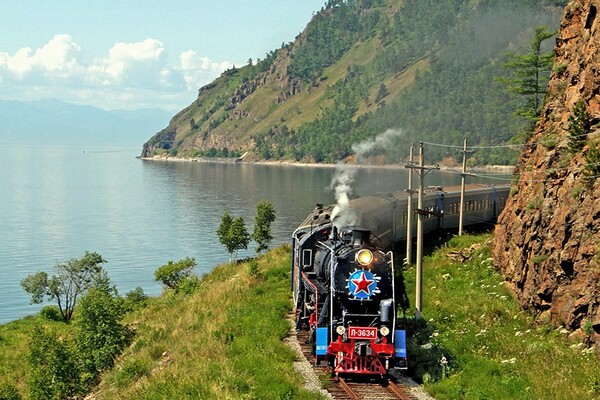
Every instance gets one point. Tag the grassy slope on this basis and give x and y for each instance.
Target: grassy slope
(14, 339)
(224, 341)
(496, 351)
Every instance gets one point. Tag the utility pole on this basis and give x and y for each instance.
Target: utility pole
(422, 170)
(462, 190)
(420, 233)
(409, 214)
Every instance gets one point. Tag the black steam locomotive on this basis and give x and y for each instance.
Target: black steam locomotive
(344, 284)
(344, 290)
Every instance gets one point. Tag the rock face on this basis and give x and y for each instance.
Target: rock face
(547, 241)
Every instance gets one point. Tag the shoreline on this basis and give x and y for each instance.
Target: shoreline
(499, 169)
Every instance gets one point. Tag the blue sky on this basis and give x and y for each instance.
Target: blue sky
(135, 53)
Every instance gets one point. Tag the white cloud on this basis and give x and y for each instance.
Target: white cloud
(198, 71)
(124, 58)
(130, 75)
(56, 59)
(59, 55)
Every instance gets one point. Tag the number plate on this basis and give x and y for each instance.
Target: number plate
(358, 332)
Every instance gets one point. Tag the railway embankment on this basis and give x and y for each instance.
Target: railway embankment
(226, 338)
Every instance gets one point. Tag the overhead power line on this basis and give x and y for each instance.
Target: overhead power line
(498, 146)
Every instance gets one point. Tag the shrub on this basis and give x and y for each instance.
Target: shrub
(134, 299)
(54, 370)
(188, 285)
(51, 313)
(171, 274)
(592, 163)
(579, 126)
(253, 269)
(100, 336)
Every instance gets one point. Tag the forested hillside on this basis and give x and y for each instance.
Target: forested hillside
(428, 68)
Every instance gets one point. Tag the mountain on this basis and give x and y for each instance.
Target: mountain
(426, 68)
(55, 122)
(547, 241)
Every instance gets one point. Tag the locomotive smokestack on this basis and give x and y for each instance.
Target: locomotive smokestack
(360, 237)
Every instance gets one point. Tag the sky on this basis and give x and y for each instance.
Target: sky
(131, 54)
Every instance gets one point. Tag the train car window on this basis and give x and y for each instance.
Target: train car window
(306, 258)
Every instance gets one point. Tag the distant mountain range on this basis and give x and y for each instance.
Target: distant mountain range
(55, 122)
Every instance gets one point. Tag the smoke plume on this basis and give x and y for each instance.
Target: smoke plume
(341, 183)
(343, 179)
(373, 146)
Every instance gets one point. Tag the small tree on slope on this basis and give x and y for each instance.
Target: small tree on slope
(265, 215)
(232, 234)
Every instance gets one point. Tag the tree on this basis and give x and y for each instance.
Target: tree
(72, 278)
(381, 93)
(171, 274)
(529, 75)
(232, 234)
(265, 215)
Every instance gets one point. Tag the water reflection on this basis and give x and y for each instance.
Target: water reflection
(59, 202)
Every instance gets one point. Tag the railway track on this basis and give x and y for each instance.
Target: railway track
(354, 389)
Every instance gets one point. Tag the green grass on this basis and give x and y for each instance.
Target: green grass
(14, 345)
(224, 341)
(494, 349)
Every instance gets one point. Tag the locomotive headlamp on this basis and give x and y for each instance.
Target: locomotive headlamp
(364, 257)
(384, 330)
(340, 330)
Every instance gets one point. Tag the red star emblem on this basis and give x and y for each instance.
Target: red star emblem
(362, 284)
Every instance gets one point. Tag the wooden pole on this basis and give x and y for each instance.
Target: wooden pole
(462, 190)
(409, 214)
(419, 283)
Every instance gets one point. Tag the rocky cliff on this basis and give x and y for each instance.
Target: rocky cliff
(547, 241)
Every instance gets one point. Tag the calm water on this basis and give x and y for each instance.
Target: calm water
(57, 202)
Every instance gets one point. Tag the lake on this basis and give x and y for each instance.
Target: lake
(59, 201)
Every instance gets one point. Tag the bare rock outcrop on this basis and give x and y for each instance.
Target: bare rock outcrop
(547, 241)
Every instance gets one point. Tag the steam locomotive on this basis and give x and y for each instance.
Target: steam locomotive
(344, 284)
